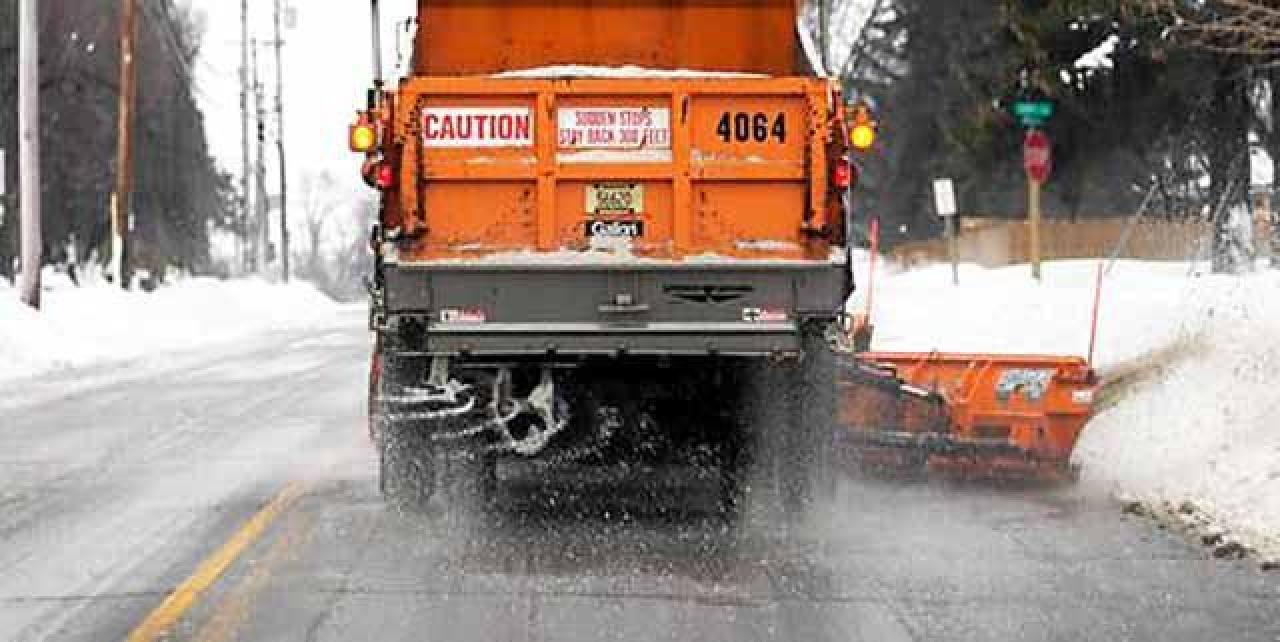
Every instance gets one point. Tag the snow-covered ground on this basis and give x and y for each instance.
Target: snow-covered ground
(98, 324)
(1191, 415)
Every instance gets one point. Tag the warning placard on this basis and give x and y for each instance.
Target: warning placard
(615, 128)
(477, 127)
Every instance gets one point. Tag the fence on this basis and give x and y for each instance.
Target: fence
(995, 244)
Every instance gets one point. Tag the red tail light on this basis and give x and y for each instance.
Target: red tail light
(842, 174)
(386, 178)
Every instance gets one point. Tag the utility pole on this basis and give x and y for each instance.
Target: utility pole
(29, 149)
(245, 241)
(284, 177)
(260, 170)
(124, 146)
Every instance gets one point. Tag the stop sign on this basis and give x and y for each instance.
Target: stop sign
(1037, 155)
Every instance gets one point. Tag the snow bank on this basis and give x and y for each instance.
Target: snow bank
(1192, 410)
(1003, 310)
(81, 327)
(1200, 424)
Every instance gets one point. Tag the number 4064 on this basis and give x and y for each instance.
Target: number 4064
(744, 127)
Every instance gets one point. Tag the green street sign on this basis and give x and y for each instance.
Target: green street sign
(1033, 113)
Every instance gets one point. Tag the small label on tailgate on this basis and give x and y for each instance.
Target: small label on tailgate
(615, 229)
(615, 199)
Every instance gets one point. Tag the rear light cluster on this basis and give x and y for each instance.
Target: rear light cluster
(863, 129)
(378, 173)
(364, 137)
(843, 174)
(386, 176)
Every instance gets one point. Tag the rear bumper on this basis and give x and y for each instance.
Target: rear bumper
(730, 308)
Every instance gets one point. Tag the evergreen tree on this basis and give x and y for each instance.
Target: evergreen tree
(179, 192)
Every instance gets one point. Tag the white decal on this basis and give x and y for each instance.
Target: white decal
(1031, 383)
(615, 229)
(615, 128)
(468, 127)
(454, 315)
(764, 315)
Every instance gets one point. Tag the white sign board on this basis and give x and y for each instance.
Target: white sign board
(3, 170)
(614, 128)
(475, 127)
(944, 197)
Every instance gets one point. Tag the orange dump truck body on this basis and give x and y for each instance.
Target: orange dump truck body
(470, 37)
(586, 177)
(731, 167)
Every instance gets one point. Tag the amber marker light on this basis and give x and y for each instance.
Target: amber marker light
(863, 134)
(363, 136)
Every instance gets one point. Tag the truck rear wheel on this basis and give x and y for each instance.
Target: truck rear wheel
(407, 468)
(803, 461)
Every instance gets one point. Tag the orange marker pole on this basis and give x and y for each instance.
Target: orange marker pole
(871, 274)
(1097, 305)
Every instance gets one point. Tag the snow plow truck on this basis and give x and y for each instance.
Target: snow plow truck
(611, 237)
(611, 245)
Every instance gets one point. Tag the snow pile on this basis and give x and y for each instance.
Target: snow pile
(1200, 425)
(81, 327)
(1189, 415)
(1003, 310)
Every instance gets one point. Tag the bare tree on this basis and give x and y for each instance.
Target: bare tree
(1247, 31)
(1245, 27)
(318, 204)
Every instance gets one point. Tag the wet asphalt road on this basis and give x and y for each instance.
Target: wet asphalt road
(118, 485)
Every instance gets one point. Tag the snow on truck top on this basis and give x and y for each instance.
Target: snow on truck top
(629, 71)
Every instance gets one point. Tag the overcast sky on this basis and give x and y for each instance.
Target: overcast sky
(327, 66)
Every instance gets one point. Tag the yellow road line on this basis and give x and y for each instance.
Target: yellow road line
(230, 614)
(162, 619)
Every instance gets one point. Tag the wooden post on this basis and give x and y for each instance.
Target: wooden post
(124, 145)
(1033, 207)
(953, 248)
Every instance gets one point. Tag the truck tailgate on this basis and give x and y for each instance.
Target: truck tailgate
(657, 168)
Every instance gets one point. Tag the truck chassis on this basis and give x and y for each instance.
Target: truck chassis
(661, 368)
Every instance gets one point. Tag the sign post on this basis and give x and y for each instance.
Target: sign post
(944, 199)
(1037, 159)
(3, 168)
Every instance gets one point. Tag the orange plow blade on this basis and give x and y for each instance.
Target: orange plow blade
(976, 414)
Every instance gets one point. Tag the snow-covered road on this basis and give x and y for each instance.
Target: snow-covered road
(118, 480)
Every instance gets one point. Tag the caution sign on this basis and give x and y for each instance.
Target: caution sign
(467, 127)
(614, 128)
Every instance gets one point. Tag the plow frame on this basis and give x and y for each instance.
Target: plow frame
(976, 413)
